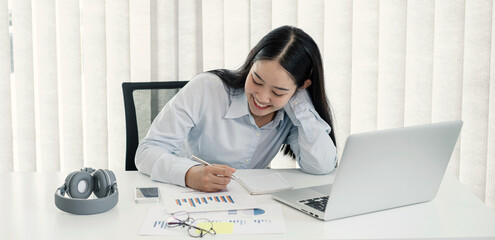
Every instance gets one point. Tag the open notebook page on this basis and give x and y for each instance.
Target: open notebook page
(262, 182)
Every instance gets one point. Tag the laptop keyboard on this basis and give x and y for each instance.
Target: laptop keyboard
(319, 203)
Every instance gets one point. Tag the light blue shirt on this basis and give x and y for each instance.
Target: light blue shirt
(203, 119)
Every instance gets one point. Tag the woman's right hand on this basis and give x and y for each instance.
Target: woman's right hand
(212, 178)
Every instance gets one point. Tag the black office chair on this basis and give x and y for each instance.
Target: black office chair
(142, 102)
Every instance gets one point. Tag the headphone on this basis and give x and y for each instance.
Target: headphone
(80, 184)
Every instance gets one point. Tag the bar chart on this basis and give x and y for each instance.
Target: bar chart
(195, 201)
(160, 224)
(190, 200)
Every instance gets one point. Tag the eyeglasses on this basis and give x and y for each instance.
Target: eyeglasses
(195, 227)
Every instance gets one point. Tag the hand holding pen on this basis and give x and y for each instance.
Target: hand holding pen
(197, 159)
(208, 177)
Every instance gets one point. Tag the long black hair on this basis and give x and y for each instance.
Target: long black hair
(299, 55)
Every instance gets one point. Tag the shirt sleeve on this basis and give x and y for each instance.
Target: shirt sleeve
(157, 154)
(308, 138)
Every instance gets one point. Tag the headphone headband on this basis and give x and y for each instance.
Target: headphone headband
(86, 206)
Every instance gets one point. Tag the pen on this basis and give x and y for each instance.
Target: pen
(197, 159)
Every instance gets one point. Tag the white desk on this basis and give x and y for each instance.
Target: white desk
(27, 211)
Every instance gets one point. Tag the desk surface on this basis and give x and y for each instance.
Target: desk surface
(27, 211)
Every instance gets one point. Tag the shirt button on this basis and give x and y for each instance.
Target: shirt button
(258, 134)
(247, 160)
(295, 103)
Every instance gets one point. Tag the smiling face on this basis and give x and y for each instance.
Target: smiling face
(268, 88)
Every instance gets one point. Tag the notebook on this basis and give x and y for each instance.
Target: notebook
(262, 181)
(381, 170)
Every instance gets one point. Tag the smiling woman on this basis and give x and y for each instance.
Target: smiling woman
(284, 53)
(241, 118)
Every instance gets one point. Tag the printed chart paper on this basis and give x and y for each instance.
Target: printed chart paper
(189, 200)
(265, 219)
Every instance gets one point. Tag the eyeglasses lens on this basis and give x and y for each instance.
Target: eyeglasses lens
(201, 227)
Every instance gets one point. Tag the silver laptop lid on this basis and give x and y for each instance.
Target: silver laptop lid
(391, 168)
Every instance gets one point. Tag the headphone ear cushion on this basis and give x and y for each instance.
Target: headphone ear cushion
(67, 179)
(102, 180)
(112, 176)
(80, 184)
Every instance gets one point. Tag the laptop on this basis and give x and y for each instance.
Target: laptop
(381, 170)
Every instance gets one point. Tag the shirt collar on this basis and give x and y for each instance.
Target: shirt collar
(238, 107)
(279, 117)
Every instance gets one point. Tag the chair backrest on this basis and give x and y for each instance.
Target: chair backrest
(142, 102)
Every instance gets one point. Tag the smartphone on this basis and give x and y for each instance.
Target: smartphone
(147, 195)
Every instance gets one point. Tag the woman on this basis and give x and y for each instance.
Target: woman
(240, 119)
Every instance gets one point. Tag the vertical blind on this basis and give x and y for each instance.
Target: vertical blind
(387, 64)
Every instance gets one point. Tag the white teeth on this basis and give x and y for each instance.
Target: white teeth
(259, 104)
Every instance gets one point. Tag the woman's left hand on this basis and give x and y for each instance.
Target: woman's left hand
(297, 101)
